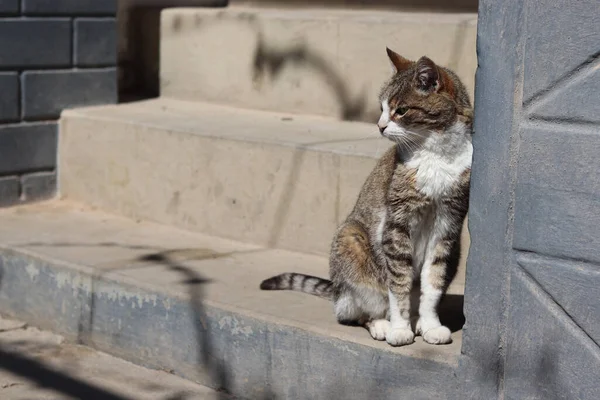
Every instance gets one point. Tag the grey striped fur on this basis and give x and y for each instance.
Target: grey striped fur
(300, 283)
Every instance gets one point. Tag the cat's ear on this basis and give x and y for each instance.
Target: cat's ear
(399, 63)
(427, 76)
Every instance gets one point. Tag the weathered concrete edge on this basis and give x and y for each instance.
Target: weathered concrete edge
(83, 113)
(328, 14)
(212, 346)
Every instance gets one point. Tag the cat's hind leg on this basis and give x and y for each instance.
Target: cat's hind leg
(365, 308)
(359, 299)
(375, 305)
(347, 312)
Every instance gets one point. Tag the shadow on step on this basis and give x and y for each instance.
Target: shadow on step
(451, 312)
(15, 360)
(207, 357)
(48, 378)
(451, 306)
(171, 259)
(194, 280)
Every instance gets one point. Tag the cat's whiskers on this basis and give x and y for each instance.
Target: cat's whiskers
(403, 141)
(415, 143)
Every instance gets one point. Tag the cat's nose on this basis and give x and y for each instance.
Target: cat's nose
(381, 127)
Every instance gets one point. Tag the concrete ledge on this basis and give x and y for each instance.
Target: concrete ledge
(324, 62)
(189, 304)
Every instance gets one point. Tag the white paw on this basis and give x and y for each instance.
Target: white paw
(439, 335)
(379, 328)
(400, 337)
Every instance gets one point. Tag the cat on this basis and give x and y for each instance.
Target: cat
(405, 227)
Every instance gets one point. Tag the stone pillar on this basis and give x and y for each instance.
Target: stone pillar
(532, 296)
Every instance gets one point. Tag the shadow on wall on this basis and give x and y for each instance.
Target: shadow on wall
(139, 37)
(139, 58)
(269, 60)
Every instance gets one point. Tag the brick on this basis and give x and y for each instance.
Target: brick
(9, 96)
(9, 6)
(28, 147)
(38, 186)
(95, 42)
(47, 93)
(10, 191)
(27, 43)
(70, 7)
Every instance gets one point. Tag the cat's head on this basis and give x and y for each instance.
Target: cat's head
(421, 99)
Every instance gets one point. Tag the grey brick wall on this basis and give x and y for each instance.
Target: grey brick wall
(53, 55)
(9, 6)
(70, 7)
(46, 93)
(9, 100)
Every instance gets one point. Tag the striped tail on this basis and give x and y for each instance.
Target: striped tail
(301, 283)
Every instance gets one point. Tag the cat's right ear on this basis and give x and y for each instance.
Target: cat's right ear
(427, 77)
(399, 63)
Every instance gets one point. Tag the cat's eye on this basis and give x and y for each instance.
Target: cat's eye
(400, 111)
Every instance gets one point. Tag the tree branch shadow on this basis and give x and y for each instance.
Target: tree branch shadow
(271, 62)
(194, 280)
(48, 378)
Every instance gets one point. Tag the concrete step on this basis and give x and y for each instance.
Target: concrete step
(321, 61)
(269, 179)
(189, 304)
(42, 365)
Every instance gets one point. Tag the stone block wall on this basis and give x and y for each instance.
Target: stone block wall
(54, 54)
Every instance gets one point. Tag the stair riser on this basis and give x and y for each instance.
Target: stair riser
(327, 63)
(253, 358)
(269, 195)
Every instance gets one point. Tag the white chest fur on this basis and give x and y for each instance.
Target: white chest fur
(441, 160)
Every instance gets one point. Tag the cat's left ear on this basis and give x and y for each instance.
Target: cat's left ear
(427, 76)
(399, 63)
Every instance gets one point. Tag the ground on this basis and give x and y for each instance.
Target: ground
(41, 365)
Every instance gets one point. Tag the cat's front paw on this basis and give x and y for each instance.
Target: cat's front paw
(439, 335)
(400, 337)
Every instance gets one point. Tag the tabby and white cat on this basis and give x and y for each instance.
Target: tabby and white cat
(405, 227)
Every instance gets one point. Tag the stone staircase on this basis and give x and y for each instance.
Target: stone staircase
(172, 210)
